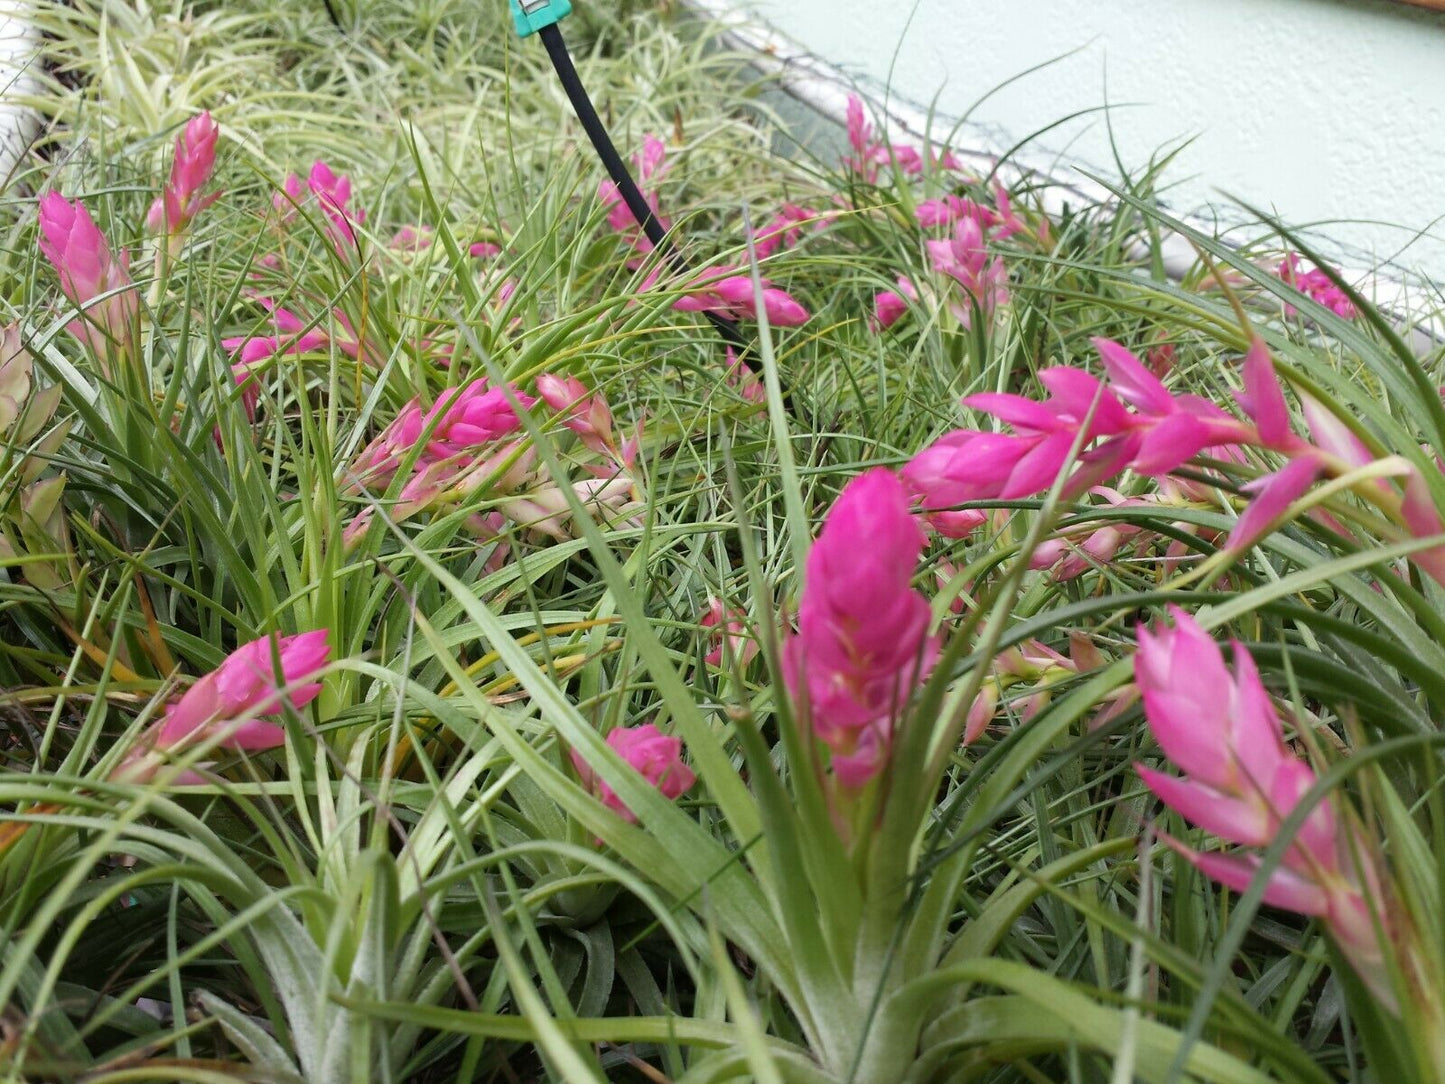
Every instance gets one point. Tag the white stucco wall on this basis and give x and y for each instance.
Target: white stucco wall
(1324, 111)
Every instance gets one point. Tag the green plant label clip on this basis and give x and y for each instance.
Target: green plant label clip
(530, 16)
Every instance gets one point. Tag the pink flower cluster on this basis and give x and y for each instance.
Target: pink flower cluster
(724, 290)
(1160, 433)
(786, 228)
(332, 193)
(1242, 781)
(862, 643)
(732, 643)
(981, 279)
(590, 417)
(1315, 285)
(1039, 667)
(1135, 423)
(469, 439)
(236, 702)
(456, 442)
(649, 167)
(871, 155)
(656, 756)
(290, 337)
(997, 225)
(172, 212)
(1078, 549)
(90, 276)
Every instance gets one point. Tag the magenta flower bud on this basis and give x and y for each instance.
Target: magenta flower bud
(656, 756)
(245, 690)
(75, 247)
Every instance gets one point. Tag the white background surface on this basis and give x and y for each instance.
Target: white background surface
(17, 46)
(1318, 110)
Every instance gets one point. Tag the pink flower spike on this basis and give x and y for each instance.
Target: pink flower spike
(1010, 223)
(734, 295)
(195, 158)
(785, 229)
(965, 259)
(1222, 730)
(245, 379)
(483, 250)
(652, 159)
(1317, 286)
(650, 165)
(888, 309)
(948, 210)
(1271, 496)
(75, 247)
(862, 642)
(656, 756)
(244, 688)
(333, 196)
(411, 239)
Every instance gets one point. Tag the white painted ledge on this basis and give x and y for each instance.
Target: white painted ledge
(825, 88)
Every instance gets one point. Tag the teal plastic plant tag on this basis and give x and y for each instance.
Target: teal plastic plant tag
(530, 16)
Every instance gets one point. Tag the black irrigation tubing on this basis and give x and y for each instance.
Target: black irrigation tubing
(631, 195)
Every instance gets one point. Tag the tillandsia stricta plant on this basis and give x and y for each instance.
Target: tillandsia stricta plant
(639, 708)
(1242, 783)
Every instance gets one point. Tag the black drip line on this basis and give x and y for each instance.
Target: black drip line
(631, 195)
